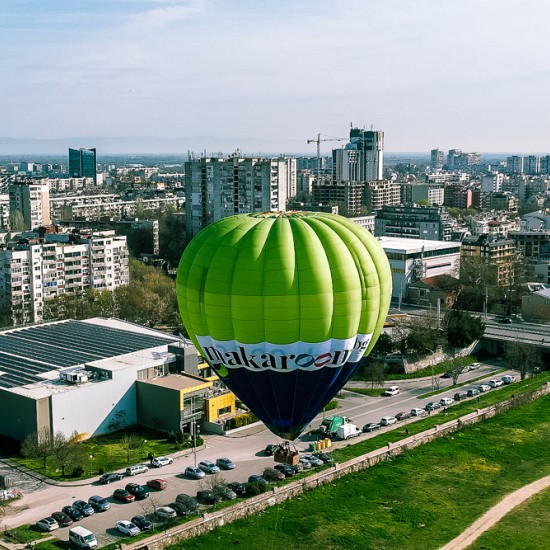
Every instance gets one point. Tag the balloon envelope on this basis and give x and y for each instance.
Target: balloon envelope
(284, 306)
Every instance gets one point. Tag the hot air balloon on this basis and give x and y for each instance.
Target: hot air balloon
(283, 305)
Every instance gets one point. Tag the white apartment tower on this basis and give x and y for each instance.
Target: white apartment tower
(362, 159)
(216, 188)
(33, 272)
(32, 201)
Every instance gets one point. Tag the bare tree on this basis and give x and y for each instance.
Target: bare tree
(522, 358)
(130, 443)
(215, 483)
(38, 445)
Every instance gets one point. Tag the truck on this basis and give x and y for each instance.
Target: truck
(345, 431)
(330, 425)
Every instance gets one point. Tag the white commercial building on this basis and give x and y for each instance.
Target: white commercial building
(413, 259)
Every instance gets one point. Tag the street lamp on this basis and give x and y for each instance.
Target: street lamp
(91, 464)
(195, 430)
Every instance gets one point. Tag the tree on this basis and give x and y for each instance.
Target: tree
(417, 335)
(131, 442)
(67, 451)
(523, 358)
(384, 346)
(462, 328)
(478, 281)
(38, 445)
(215, 483)
(373, 371)
(17, 222)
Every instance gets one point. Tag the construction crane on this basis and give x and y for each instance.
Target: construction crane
(318, 142)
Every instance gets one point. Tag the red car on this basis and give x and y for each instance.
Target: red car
(158, 484)
(123, 495)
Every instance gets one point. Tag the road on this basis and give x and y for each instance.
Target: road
(245, 448)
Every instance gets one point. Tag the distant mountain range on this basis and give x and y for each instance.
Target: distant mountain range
(154, 145)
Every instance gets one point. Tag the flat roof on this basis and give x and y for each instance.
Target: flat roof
(410, 246)
(37, 353)
(177, 382)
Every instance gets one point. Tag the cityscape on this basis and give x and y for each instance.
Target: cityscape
(274, 274)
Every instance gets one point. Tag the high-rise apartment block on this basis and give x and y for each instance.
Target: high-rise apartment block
(456, 159)
(415, 192)
(437, 159)
(458, 196)
(492, 183)
(219, 187)
(32, 202)
(545, 165)
(414, 222)
(362, 159)
(514, 164)
(531, 165)
(82, 163)
(35, 270)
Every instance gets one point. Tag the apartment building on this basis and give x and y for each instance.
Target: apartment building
(32, 271)
(416, 192)
(224, 186)
(32, 202)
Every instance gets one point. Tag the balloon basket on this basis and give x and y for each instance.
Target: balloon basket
(285, 455)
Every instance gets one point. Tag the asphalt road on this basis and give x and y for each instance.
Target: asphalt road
(245, 448)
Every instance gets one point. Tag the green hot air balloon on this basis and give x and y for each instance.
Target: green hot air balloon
(284, 305)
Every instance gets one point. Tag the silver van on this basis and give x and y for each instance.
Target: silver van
(138, 469)
(82, 538)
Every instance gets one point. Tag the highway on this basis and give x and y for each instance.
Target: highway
(244, 447)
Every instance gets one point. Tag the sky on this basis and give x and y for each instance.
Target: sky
(469, 74)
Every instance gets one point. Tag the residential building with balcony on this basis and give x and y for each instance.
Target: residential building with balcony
(32, 201)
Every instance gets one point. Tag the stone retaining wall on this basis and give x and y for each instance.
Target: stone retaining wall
(209, 521)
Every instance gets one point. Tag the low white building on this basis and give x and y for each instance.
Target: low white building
(414, 259)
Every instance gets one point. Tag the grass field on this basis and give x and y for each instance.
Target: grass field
(419, 500)
(534, 534)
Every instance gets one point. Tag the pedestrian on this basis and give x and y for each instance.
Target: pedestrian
(406, 432)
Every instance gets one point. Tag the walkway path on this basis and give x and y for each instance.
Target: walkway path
(496, 513)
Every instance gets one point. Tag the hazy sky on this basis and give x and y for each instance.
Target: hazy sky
(470, 74)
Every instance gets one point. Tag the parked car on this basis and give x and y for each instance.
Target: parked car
(47, 524)
(314, 461)
(99, 504)
(444, 401)
(460, 396)
(305, 463)
(402, 416)
(227, 493)
(472, 392)
(258, 479)
(508, 379)
(271, 474)
(388, 420)
(161, 461)
(418, 412)
(187, 503)
(110, 477)
(207, 497)
(74, 513)
(83, 507)
(392, 390)
(123, 495)
(475, 366)
(142, 522)
(465, 369)
(165, 513)
(208, 467)
(371, 426)
(225, 463)
(484, 387)
(325, 457)
(299, 467)
(285, 469)
(63, 519)
(180, 508)
(158, 484)
(137, 490)
(270, 449)
(137, 469)
(194, 473)
(432, 406)
(238, 487)
(127, 528)
(505, 321)
(495, 383)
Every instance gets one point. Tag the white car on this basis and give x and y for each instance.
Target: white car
(313, 460)
(165, 512)
(392, 390)
(484, 387)
(419, 412)
(208, 467)
(508, 378)
(388, 420)
(161, 461)
(47, 524)
(495, 383)
(127, 528)
(444, 401)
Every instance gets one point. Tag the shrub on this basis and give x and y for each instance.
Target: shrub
(331, 405)
(78, 471)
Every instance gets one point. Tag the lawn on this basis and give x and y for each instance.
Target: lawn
(419, 500)
(107, 453)
(534, 518)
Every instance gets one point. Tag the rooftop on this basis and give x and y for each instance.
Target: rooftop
(414, 245)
